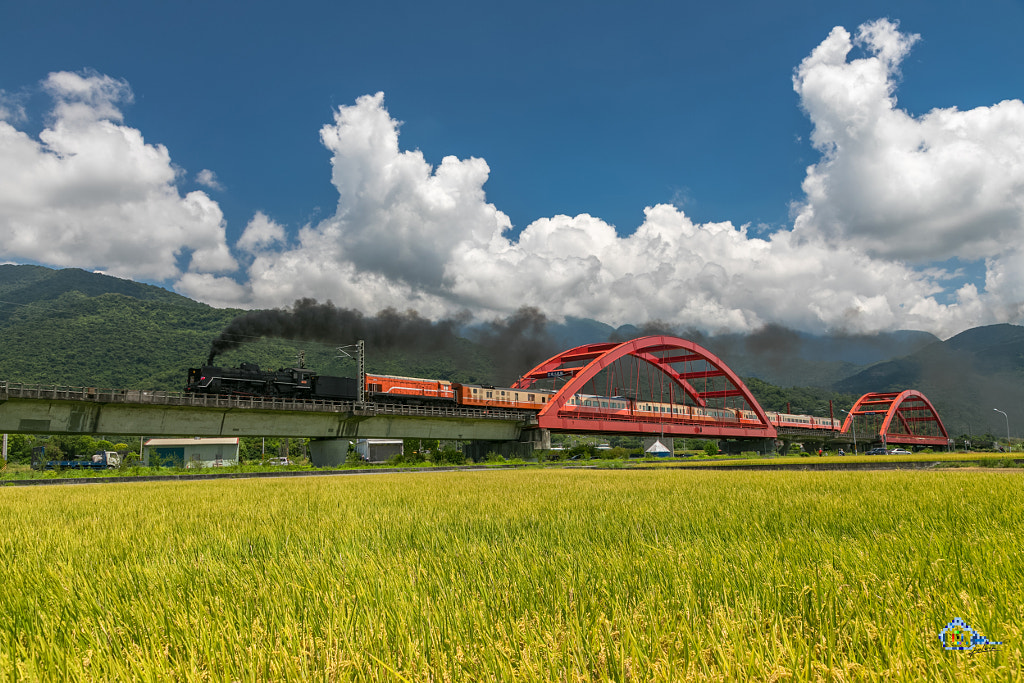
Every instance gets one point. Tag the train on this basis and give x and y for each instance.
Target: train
(305, 384)
(620, 407)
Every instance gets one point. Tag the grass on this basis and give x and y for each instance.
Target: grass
(514, 575)
(21, 471)
(944, 457)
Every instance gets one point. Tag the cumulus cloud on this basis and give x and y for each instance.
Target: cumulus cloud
(948, 183)
(261, 234)
(409, 235)
(92, 193)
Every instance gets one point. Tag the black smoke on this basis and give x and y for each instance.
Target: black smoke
(515, 344)
(309, 320)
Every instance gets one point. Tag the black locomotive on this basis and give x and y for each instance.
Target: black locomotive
(250, 380)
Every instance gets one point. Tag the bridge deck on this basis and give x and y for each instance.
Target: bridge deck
(39, 409)
(19, 390)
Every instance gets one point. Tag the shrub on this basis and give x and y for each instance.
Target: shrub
(582, 451)
(449, 455)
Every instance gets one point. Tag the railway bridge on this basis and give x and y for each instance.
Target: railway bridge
(656, 386)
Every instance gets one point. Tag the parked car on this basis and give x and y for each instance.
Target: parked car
(899, 451)
(876, 451)
(280, 461)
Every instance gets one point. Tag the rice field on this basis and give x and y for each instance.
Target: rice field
(546, 575)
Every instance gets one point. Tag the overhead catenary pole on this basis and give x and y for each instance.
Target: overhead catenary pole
(361, 352)
(360, 368)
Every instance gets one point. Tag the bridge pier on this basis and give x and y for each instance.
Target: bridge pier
(539, 439)
(328, 452)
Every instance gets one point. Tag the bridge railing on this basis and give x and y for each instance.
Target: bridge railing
(21, 390)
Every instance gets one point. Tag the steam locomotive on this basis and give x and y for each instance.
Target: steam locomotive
(250, 380)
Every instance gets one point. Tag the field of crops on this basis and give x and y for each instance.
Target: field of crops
(514, 575)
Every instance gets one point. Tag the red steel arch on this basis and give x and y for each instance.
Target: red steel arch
(662, 352)
(901, 417)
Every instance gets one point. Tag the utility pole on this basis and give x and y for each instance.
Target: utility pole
(1007, 428)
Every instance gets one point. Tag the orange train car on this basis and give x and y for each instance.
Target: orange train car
(382, 387)
(478, 395)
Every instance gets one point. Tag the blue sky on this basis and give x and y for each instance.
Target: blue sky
(593, 109)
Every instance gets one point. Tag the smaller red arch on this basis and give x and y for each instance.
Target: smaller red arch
(895, 407)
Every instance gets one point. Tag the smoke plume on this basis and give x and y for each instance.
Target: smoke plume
(515, 344)
(308, 320)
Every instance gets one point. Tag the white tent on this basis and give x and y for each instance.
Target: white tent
(659, 449)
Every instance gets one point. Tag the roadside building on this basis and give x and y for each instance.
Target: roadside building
(378, 450)
(219, 452)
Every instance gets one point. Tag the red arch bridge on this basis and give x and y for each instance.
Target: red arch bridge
(663, 385)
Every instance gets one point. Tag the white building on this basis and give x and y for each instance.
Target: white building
(197, 452)
(378, 450)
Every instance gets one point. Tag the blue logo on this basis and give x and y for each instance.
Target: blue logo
(959, 636)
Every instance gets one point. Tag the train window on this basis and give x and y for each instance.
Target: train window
(490, 394)
(529, 397)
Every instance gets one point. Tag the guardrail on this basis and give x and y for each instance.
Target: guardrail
(20, 390)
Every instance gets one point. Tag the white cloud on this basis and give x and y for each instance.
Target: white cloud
(93, 194)
(396, 215)
(11, 108)
(208, 178)
(946, 184)
(261, 234)
(409, 235)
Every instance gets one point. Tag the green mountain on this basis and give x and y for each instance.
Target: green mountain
(966, 377)
(74, 328)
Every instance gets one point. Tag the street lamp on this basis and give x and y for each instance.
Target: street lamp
(1007, 428)
(853, 425)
